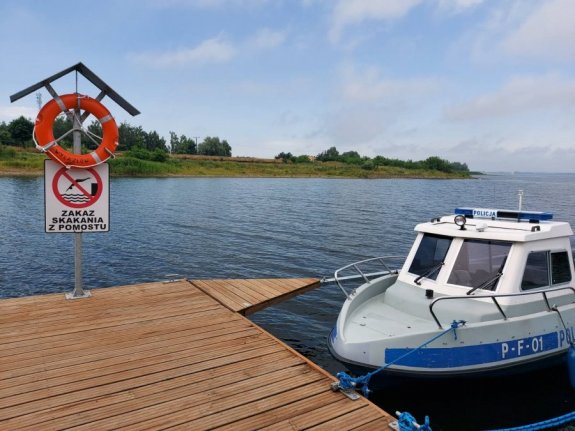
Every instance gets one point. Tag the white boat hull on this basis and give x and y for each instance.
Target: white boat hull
(370, 334)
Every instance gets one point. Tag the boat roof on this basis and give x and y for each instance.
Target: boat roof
(502, 225)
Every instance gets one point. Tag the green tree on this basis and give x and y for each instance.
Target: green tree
(437, 164)
(285, 157)
(329, 155)
(153, 141)
(302, 159)
(214, 147)
(94, 131)
(182, 144)
(21, 131)
(5, 135)
(61, 126)
(174, 142)
(131, 137)
(351, 157)
(459, 167)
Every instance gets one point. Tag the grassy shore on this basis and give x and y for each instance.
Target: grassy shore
(15, 161)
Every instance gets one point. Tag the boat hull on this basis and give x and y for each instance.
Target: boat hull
(394, 375)
(372, 332)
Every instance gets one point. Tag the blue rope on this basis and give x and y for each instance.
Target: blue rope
(362, 382)
(549, 423)
(407, 422)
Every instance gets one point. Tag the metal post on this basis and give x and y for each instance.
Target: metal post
(77, 120)
(78, 291)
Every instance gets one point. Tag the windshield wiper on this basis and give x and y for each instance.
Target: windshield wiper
(491, 280)
(428, 272)
(485, 284)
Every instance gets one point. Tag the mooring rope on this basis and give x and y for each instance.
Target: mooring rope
(362, 382)
(406, 422)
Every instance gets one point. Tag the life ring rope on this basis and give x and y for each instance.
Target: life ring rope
(43, 134)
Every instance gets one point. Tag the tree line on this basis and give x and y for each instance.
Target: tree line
(18, 132)
(150, 145)
(353, 157)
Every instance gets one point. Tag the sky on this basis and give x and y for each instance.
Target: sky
(490, 83)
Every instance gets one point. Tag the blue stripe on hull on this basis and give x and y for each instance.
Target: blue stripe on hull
(452, 357)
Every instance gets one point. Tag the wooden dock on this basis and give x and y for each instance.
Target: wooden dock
(164, 356)
(248, 296)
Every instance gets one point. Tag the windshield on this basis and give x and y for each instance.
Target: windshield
(479, 261)
(430, 255)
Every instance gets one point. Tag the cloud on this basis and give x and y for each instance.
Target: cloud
(528, 30)
(353, 12)
(519, 95)
(547, 32)
(11, 112)
(370, 107)
(457, 6)
(357, 125)
(215, 50)
(368, 85)
(208, 4)
(281, 88)
(267, 38)
(517, 156)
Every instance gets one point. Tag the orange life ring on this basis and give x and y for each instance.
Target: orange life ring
(44, 133)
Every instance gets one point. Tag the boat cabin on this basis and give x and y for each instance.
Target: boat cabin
(478, 251)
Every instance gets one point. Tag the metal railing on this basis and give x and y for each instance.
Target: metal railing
(494, 298)
(360, 270)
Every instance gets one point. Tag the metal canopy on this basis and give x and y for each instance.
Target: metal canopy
(90, 76)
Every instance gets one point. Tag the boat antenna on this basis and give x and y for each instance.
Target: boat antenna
(520, 194)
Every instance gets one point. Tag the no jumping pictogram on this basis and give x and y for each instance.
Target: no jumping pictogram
(77, 188)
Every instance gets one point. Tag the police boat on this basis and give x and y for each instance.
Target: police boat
(482, 291)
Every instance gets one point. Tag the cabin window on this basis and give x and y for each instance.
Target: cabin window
(560, 270)
(545, 268)
(479, 263)
(430, 255)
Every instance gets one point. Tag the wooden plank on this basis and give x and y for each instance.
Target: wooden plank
(106, 318)
(194, 378)
(244, 288)
(226, 297)
(164, 390)
(98, 378)
(98, 332)
(348, 421)
(67, 352)
(183, 409)
(267, 412)
(62, 374)
(160, 355)
(267, 290)
(377, 424)
(279, 299)
(248, 296)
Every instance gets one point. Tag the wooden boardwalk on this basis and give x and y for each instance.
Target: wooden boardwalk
(160, 356)
(248, 296)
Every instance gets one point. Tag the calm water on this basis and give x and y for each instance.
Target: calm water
(223, 228)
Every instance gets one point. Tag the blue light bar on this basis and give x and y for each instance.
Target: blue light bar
(531, 216)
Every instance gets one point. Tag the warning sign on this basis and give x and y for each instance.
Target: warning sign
(76, 199)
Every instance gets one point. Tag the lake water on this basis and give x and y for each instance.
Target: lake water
(258, 228)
